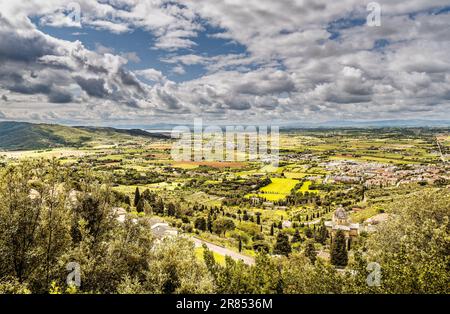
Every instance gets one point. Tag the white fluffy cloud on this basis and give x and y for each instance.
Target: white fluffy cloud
(304, 60)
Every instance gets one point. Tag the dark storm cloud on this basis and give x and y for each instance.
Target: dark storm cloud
(28, 88)
(347, 98)
(60, 97)
(236, 103)
(92, 86)
(127, 78)
(170, 101)
(16, 47)
(33, 63)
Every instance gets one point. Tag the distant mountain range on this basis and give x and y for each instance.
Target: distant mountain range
(29, 136)
(374, 123)
(326, 124)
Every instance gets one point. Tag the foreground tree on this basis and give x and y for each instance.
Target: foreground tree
(413, 246)
(301, 276)
(174, 268)
(34, 223)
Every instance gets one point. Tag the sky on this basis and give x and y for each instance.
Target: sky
(130, 62)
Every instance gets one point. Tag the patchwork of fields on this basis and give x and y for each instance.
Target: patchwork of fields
(227, 203)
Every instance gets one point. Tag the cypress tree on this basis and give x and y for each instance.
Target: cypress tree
(159, 206)
(308, 232)
(209, 223)
(322, 233)
(140, 205)
(310, 251)
(339, 255)
(171, 210)
(137, 197)
(296, 237)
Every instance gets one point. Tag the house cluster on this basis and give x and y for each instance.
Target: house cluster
(379, 174)
(309, 157)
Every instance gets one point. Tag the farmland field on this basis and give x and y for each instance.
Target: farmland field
(279, 186)
(244, 207)
(305, 187)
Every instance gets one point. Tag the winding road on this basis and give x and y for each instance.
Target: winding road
(224, 251)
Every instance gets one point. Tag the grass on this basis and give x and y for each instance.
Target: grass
(27, 136)
(277, 190)
(279, 186)
(220, 259)
(364, 214)
(186, 166)
(130, 189)
(136, 167)
(274, 214)
(295, 175)
(305, 188)
(47, 153)
(268, 196)
(127, 189)
(271, 169)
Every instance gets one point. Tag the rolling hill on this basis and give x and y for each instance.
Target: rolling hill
(29, 136)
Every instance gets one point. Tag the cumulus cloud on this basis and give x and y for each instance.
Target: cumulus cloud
(151, 75)
(303, 60)
(178, 69)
